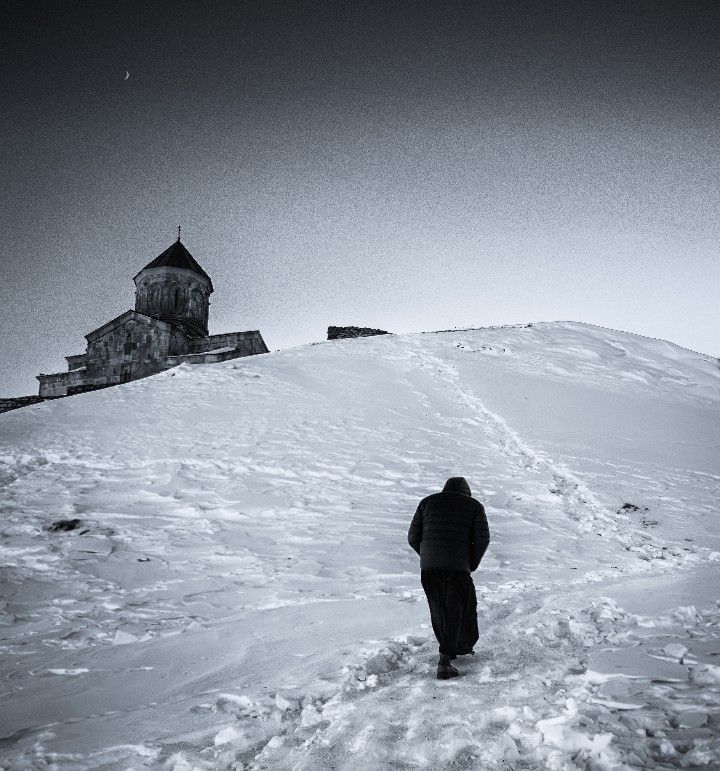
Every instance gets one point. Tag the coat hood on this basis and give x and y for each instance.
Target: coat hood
(457, 485)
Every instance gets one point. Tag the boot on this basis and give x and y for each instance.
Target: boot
(445, 669)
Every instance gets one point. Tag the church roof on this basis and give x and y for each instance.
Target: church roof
(122, 319)
(177, 256)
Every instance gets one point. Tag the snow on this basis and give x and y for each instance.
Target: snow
(241, 593)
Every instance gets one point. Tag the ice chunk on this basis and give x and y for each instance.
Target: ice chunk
(124, 638)
(69, 672)
(619, 689)
(285, 703)
(676, 650)
(621, 705)
(310, 716)
(237, 704)
(557, 733)
(687, 614)
(707, 674)
(502, 715)
(415, 640)
(691, 718)
(229, 734)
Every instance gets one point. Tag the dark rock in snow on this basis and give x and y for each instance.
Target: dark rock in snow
(632, 507)
(65, 525)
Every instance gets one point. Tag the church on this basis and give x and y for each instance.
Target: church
(169, 326)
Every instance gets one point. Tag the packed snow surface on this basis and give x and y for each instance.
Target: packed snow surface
(209, 568)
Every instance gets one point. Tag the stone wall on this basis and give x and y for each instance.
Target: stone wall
(133, 349)
(78, 361)
(57, 384)
(248, 342)
(83, 388)
(16, 402)
(339, 333)
(211, 357)
(179, 342)
(216, 348)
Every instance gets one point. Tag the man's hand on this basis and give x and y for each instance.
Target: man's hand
(415, 531)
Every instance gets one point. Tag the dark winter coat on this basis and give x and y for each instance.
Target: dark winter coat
(450, 529)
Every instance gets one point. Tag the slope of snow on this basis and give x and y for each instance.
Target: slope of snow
(239, 591)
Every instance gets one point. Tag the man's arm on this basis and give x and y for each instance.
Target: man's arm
(481, 538)
(415, 531)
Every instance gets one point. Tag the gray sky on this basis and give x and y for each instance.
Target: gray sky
(410, 166)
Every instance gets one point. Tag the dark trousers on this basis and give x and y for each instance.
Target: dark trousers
(453, 609)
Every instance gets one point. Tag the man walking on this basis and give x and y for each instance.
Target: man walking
(450, 533)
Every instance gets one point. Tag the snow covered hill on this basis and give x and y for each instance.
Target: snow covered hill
(239, 593)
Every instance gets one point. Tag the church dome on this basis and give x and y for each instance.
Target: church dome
(177, 256)
(174, 288)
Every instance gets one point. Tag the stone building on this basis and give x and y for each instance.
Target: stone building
(340, 333)
(169, 326)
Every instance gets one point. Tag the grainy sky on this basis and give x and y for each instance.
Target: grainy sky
(411, 166)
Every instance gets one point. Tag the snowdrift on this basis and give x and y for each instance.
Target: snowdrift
(236, 590)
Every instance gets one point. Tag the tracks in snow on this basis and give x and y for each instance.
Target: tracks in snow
(386, 707)
(577, 501)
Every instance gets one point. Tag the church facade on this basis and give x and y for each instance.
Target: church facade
(169, 326)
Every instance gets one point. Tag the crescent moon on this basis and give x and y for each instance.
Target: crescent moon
(127, 75)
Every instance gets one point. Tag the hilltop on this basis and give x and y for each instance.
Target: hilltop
(237, 590)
